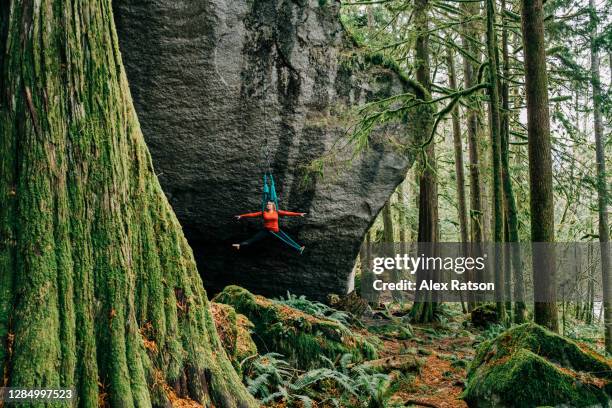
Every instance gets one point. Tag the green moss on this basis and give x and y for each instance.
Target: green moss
(531, 366)
(235, 332)
(300, 337)
(484, 315)
(99, 290)
(525, 379)
(360, 60)
(547, 344)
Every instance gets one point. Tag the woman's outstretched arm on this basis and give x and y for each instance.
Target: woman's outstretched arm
(249, 215)
(290, 213)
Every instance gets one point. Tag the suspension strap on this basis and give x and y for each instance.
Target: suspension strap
(286, 239)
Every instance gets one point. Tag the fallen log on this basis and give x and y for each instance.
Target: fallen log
(402, 362)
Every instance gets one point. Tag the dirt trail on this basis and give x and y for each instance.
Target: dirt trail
(440, 381)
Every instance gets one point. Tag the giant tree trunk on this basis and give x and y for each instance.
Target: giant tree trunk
(602, 185)
(98, 287)
(495, 132)
(425, 305)
(540, 161)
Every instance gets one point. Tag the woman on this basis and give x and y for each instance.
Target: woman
(270, 221)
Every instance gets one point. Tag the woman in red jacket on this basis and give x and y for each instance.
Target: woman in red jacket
(270, 220)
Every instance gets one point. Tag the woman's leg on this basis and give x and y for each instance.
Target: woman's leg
(255, 238)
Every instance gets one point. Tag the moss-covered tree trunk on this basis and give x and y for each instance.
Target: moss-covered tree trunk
(511, 210)
(403, 206)
(459, 169)
(602, 185)
(540, 160)
(495, 133)
(389, 242)
(469, 35)
(425, 305)
(98, 287)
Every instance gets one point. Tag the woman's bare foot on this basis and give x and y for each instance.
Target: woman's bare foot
(237, 246)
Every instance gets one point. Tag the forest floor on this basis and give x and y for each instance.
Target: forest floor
(444, 350)
(440, 381)
(448, 348)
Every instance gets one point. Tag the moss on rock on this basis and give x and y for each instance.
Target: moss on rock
(529, 366)
(300, 337)
(484, 315)
(235, 332)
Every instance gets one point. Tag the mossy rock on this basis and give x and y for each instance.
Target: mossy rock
(302, 338)
(351, 303)
(529, 366)
(484, 315)
(235, 333)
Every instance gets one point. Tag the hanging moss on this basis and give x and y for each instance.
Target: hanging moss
(235, 332)
(300, 337)
(360, 60)
(530, 366)
(98, 288)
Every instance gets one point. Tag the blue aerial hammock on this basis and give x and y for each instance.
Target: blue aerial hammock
(269, 188)
(269, 194)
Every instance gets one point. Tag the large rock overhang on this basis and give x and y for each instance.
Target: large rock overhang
(212, 81)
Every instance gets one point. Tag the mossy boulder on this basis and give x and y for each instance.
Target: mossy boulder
(235, 333)
(529, 366)
(300, 337)
(484, 315)
(352, 303)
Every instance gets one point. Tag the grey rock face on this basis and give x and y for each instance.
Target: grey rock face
(214, 82)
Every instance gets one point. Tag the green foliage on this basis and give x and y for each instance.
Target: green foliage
(484, 315)
(531, 366)
(266, 373)
(337, 384)
(396, 327)
(300, 336)
(99, 289)
(315, 308)
(235, 333)
(491, 331)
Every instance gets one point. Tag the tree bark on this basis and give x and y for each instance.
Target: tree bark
(389, 240)
(367, 276)
(602, 185)
(459, 168)
(458, 150)
(495, 132)
(424, 307)
(388, 230)
(402, 225)
(540, 161)
(511, 211)
(99, 289)
(476, 211)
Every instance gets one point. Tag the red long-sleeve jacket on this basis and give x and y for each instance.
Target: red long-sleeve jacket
(270, 218)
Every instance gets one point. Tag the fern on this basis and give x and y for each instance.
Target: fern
(315, 308)
(340, 384)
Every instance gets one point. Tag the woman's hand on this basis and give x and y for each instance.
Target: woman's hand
(237, 217)
(302, 214)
